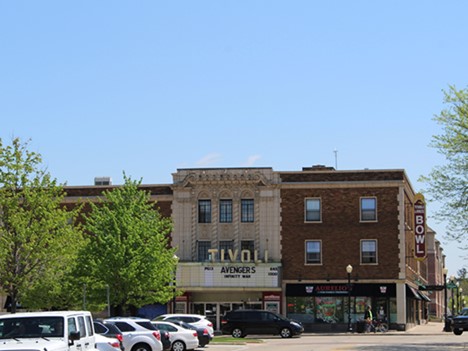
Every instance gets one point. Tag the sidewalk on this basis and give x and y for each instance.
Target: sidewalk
(429, 328)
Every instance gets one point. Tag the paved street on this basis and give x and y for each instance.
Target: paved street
(429, 337)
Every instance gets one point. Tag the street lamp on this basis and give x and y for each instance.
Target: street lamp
(446, 324)
(349, 270)
(174, 282)
(452, 286)
(458, 296)
(461, 299)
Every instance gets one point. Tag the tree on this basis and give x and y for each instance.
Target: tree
(448, 183)
(129, 252)
(38, 240)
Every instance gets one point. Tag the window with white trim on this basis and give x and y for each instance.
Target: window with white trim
(313, 210)
(313, 251)
(368, 251)
(368, 209)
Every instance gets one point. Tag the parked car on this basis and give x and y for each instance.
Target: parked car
(57, 331)
(138, 333)
(194, 319)
(460, 322)
(182, 339)
(165, 340)
(204, 336)
(105, 343)
(240, 323)
(109, 330)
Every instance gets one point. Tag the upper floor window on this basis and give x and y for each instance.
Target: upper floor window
(204, 211)
(368, 251)
(313, 210)
(368, 209)
(203, 247)
(225, 245)
(313, 250)
(247, 210)
(225, 211)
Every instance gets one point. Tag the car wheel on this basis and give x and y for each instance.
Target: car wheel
(285, 333)
(178, 346)
(141, 347)
(237, 333)
(458, 332)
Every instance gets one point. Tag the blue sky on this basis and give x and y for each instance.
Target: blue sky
(146, 87)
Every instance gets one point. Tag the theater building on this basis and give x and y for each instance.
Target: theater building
(226, 230)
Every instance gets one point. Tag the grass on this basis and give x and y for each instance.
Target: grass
(225, 339)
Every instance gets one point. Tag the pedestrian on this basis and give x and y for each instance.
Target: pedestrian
(368, 318)
(381, 313)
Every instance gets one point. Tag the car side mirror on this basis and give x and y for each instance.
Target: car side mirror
(73, 336)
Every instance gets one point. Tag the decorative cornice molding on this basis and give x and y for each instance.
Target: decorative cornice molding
(224, 178)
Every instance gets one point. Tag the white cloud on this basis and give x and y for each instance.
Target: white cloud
(209, 160)
(251, 160)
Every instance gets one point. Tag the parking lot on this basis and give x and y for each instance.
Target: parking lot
(426, 337)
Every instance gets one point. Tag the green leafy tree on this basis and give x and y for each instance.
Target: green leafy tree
(129, 253)
(38, 241)
(448, 183)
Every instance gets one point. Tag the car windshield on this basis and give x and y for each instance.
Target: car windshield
(31, 327)
(464, 312)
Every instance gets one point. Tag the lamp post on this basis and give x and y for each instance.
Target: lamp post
(174, 283)
(452, 286)
(461, 299)
(349, 270)
(446, 324)
(108, 301)
(458, 297)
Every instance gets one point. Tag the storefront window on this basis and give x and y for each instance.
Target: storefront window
(327, 309)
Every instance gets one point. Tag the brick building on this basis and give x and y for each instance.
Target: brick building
(331, 219)
(259, 238)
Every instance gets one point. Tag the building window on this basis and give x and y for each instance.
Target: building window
(247, 210)
(368, 209)
(368, 251)
(225, 245)
(249, 246)
(204, 211)
(313, 210)
(313, 252)
(225, 211)
(203, 247)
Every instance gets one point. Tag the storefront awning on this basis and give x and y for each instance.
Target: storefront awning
(412, 292)
(424, 296)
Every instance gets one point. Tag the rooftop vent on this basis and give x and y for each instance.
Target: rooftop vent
(102, 181)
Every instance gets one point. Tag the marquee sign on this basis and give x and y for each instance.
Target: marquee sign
(419, 227)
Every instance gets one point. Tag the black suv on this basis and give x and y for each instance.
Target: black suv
(460, 322)
(240, 323)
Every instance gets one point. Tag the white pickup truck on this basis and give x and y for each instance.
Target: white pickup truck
(51, 331)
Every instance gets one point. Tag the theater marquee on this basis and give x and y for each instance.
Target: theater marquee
(217, 275)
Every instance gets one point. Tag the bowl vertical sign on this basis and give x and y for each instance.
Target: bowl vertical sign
(419, 227)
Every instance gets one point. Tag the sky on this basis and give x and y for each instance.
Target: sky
(147, 87)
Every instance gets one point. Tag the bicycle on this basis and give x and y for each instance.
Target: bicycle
(378, 325)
